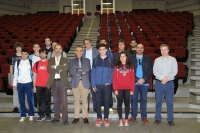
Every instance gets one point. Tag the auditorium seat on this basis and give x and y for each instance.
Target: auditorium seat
(89, 14)
(5, 68)
(181, 40)
(10, 52)
(148, 50)
(153, 56)
(4, 47)
(1, 82)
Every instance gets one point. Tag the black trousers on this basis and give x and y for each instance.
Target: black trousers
(35, 100)
(111, 99)
(123, 96)
(44, 100)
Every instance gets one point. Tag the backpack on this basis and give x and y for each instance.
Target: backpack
(37, 65)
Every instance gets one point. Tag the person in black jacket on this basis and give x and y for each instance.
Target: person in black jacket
(143, 71)
(133, 47)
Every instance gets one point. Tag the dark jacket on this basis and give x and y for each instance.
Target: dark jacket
(102, 71)
(76, 72)
(63, 73)
(147, 67)
(132, 52)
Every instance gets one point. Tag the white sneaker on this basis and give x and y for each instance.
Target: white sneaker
(120, 123)
(126, 123)
(111, 110)
(102, 108)
(22, 119)
(31, 118)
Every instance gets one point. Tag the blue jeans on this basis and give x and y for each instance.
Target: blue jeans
(166, 90)
(142, 91)
(105, 91)
(26, 89)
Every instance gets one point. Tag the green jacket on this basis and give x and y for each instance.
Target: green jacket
(63, 73)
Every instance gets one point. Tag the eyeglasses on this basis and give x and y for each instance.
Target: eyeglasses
(139, 62)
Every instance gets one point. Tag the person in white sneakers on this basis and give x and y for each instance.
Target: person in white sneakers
(23, 82)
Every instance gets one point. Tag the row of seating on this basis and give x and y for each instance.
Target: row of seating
(128, 26)
(149, 29)
(35, 27)
(32, 28)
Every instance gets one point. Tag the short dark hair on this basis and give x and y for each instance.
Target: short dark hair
(121, 40)
(54, 41)
(133, 40)
(36, 43)
(25, 50)
(78, 47)
(102, 38)
(101, 45)
(47, 37)
(42, 51)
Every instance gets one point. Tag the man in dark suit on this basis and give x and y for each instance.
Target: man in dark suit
(79, 68)
(58, 81)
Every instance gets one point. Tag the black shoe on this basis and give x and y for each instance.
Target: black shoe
(75, 120)
(95, 110)
(54, 121)
(156, 122)
(15, 110)
(65, 123)
(86, 120)
(48, 118)
(41, 118)
(171, 123)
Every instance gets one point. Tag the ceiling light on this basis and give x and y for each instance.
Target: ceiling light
(107, 3)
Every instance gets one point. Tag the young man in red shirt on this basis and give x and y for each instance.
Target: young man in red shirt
(39, 83)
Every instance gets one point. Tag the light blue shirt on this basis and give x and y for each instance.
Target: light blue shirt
(165, 67)
(88, 55)
(139, 72)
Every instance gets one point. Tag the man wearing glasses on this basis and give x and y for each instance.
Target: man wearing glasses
(143, 69)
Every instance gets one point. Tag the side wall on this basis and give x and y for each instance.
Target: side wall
(44, 7)
(184, 5)
(16, 7)
(160, 5)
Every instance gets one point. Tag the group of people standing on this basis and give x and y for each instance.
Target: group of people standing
(126, 73)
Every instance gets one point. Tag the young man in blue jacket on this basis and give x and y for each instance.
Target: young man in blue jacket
(101, 79)
(109, 54)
